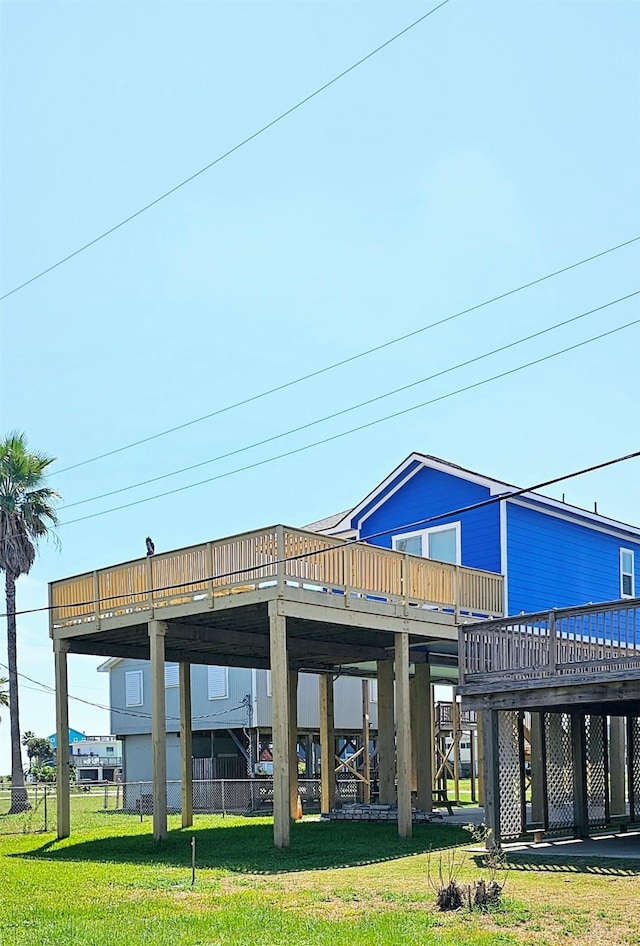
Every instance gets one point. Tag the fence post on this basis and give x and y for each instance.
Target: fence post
(46, 824)
(222, 793)
(140, 792)
(105, 803)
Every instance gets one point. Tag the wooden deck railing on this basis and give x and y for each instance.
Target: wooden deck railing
(444, 715)
(275, 556)
(602, 638)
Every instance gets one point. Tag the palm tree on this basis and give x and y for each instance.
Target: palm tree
(4, 693)
(27, 514)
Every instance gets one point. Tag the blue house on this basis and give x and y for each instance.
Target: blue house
(74, 736)
(552, 554)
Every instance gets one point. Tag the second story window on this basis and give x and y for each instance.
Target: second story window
(171, 675)
(441, 543)
(217, 683)
(626, 573)
(133, 687)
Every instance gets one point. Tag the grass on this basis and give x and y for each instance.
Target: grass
(350, 882)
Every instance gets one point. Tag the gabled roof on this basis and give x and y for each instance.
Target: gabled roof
(329, 522)
(417, 461)
(108, 664)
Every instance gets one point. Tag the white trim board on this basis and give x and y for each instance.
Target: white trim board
(622, 533)
(384, 498)
(504, 555)
(496, 487)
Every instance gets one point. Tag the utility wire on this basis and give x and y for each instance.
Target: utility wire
(345, 361)
(226, 154)
(352, 430)
(353, 407)
(50, 691)
(499, 497)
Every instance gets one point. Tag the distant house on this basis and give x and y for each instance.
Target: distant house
(231, 713)
(552, 555)
(96, 758)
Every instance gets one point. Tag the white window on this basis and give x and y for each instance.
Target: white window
(171, 678)
(217, 682)
(626, 573)
(133, 687)
(441, 543)
(373, 691)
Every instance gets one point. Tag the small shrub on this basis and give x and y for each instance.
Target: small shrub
(450, 897)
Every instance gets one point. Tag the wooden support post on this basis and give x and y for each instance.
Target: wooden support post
(280, 726)
(472, 764)
(538, 780)
(414, 747)
(455, 733)
(60, 650)
(434, 755)
(617, 765)
(491, 779)
(293, 744)
(157, 631)
(327, 745)
(403, 718)
(186, 752)
(579, 754)
(386, 735)
(366, 759)
(422, 692)
(308, 756)
(480, 748)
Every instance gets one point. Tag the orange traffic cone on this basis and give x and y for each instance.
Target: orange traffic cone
(299, 810)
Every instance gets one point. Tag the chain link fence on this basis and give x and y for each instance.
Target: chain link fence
(98, 805)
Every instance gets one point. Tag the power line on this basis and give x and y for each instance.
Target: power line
(348, 410)
(345, 361)
(499, 497)
(352, 430)
(48, 690)
(226, 154)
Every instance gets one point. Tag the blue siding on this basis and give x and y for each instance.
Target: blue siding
(555, 563)
(383, 492)
(431, 492)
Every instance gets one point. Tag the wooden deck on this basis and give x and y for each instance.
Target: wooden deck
(225, 586)
(541, 658)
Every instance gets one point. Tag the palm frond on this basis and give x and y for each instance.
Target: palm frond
(27, 504)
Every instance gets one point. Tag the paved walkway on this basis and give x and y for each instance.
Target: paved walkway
(625, 845)
(620, 845)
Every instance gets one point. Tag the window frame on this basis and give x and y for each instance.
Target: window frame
(425, 533)
(132, 673)
(631, 574)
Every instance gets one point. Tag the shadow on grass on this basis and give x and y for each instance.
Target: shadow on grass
(248, 847)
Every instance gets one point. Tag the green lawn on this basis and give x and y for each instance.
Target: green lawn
(339, 882)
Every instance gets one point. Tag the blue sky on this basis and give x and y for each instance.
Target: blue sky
(493, 143)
